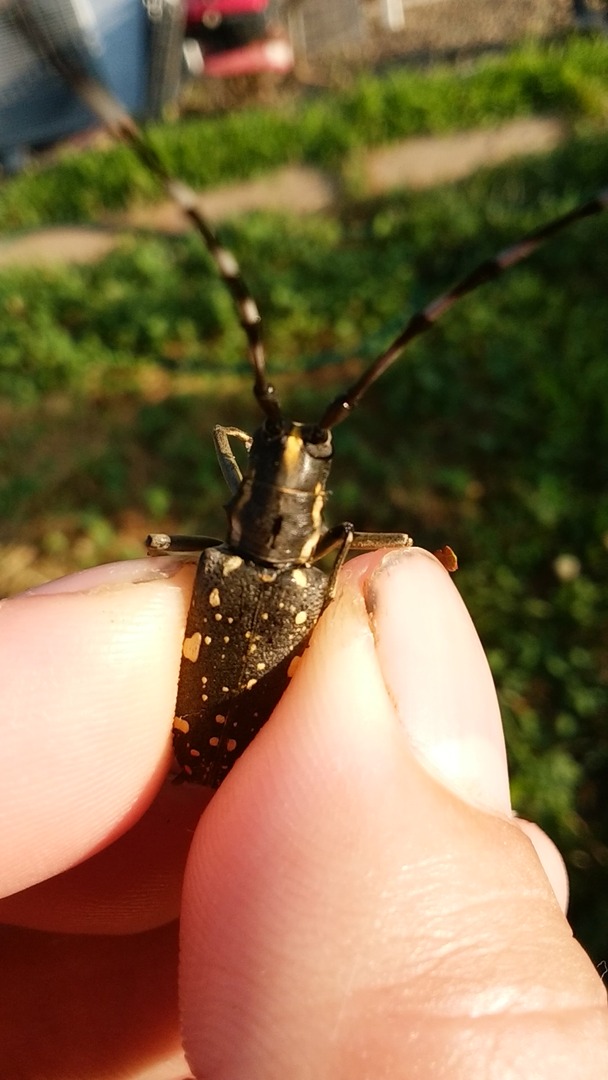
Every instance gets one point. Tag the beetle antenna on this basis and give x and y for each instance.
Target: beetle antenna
(230, 272)
(423, 320)
(71, 67)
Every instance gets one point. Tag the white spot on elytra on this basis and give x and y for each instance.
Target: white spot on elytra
(191, 647)
(231, 565)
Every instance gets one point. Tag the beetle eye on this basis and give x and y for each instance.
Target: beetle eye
(318, 441)
(316, 435)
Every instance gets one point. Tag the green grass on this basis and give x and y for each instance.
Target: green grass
(569, 79)
(490, 435)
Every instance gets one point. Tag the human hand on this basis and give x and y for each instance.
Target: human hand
(357, 901)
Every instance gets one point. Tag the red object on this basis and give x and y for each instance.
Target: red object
(271, 55)
(235, 38)
(196, 9)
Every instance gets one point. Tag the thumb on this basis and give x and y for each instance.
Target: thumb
(349, 914)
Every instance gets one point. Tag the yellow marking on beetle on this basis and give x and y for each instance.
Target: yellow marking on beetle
(299, 578)
(214, 741)
(226, 639)
(204, 697)
(195, 753)
(231, 744)
(247, 633)
(230, 619)
(207, 639)
(191, 647)
(260, 665)
(181, 725)
(219, 719)
(251, 683)
(308, 548)
(264, 615)
(214, 598)
(204, 680)
(218, 616)
(252, 648)
(292, 452)
(317, 509)
(301, 617)
(291, 670)
(225, 689)
(231, 565)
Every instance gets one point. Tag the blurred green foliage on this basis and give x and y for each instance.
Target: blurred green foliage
(490, 435)
(569, 79)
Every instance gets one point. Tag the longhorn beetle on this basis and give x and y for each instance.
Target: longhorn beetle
(258, 595)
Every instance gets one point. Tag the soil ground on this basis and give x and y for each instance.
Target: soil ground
(418, 163)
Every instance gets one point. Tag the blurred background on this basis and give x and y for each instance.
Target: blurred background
(358, 157)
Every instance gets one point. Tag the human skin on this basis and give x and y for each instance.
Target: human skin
(357, 902)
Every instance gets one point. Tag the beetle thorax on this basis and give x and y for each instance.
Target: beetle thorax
(276, 516)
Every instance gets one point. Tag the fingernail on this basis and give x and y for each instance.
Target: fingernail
(129, 572)
(437, 674)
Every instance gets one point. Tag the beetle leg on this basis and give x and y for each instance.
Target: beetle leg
(373, 541)
(163, 544)
(228, 463)
(344, 538)
(341, 537)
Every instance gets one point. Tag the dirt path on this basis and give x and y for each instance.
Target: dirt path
(415, 163)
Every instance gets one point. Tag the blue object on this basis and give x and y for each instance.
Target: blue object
(109, 39)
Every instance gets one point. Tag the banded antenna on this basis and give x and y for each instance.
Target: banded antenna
(423, 320)
(71, 67)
